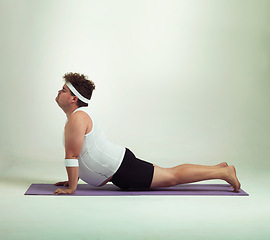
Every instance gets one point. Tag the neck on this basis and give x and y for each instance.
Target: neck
(70, 111)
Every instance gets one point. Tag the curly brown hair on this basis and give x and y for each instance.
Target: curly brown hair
(82, 84)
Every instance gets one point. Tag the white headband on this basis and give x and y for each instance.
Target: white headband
(72, 89)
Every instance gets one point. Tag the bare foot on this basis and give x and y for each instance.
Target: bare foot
(231, 178)
(223, 164)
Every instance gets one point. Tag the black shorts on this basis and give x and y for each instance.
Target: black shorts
(133, 173)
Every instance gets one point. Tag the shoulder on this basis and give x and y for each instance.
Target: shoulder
(79, 115)
(79, 119)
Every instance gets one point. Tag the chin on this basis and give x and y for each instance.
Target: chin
(56, 99)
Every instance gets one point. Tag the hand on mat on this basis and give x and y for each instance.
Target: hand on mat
(63, 191)
(65, 184)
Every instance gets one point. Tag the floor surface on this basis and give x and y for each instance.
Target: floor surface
(129, 217)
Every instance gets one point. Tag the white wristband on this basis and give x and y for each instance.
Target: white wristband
(71, 162)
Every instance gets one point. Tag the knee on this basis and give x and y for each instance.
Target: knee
(171, 179)
(164, 177)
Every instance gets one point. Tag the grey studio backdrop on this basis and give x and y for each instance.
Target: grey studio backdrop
(176, 82)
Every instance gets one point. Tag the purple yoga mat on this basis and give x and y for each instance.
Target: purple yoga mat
(111, 190)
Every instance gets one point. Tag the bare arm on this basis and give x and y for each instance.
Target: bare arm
(74, 137)
(73, 174)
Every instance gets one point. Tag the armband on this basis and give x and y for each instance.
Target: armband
(72, 162)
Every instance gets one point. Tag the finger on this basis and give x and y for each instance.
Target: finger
(55, 192)
(58, 184)
(58, 191)
(61, 191)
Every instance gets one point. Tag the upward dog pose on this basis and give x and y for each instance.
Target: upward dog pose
(93, 158)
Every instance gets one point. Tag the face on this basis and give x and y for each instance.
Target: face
(63, 97)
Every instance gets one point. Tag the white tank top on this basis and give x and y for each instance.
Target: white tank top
(99, 158)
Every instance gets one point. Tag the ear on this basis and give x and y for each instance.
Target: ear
(75, 99)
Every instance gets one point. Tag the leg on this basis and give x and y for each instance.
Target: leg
(189, 173)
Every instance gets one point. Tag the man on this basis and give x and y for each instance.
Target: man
(94, 159)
